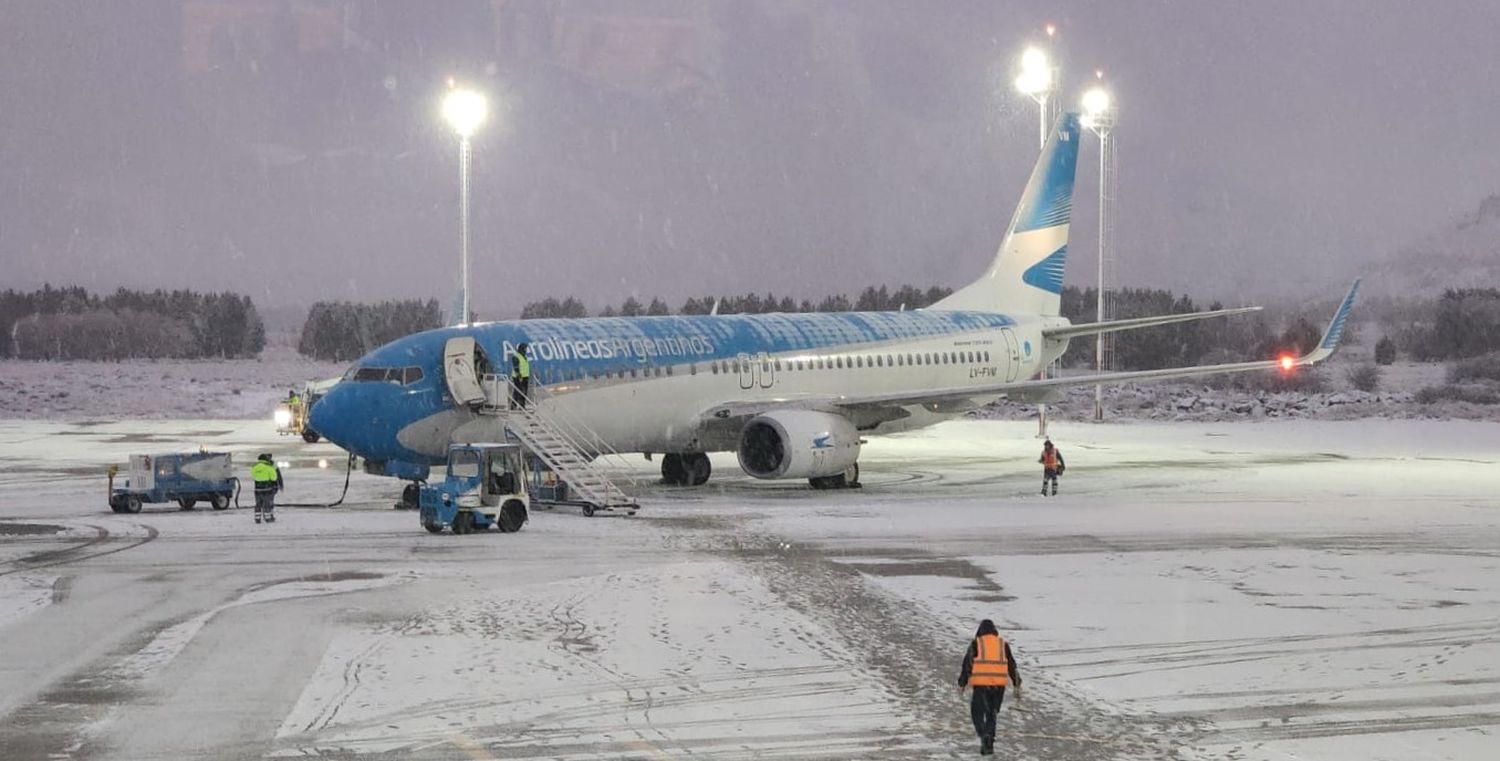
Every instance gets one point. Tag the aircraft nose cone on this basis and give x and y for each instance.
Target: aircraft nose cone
(330, 415)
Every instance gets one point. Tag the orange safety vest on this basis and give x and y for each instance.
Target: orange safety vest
(1049, 459)
(990, 668)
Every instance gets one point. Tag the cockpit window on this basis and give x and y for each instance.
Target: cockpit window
(401, 375)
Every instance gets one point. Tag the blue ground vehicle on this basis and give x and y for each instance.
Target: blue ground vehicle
(184, 478)
(485, 486)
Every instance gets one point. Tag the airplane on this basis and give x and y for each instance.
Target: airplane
(792, 394)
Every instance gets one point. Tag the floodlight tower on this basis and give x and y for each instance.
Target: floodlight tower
(1038, 81)
(1099, 116)
(464, 110)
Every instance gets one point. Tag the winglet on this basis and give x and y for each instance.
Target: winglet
(1335, 331)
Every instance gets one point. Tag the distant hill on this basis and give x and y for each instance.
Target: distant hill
(1465, 254)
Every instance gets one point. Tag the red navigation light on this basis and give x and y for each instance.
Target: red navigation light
(1287, 363)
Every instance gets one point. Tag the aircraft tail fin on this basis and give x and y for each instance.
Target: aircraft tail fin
(1026, 276)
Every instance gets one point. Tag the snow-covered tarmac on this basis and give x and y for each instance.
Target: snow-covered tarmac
(1308, 590)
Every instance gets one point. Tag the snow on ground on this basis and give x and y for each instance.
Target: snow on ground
(163, 389)
(1274, 590)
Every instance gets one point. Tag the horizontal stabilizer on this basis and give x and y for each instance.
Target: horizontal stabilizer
(1112, 326)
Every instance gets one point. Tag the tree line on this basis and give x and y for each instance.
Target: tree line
(70, 323)
(340, 331)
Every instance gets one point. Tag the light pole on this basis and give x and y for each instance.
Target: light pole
(464, 110)
(1099, 116)
(1038, 80)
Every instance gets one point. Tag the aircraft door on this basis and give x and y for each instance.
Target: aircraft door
(1013, 367)
(746, 369)
(459, 371)
(767, 370)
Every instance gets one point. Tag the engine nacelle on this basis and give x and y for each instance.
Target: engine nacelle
(797, 444)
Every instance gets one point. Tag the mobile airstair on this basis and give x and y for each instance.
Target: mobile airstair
(564, 446)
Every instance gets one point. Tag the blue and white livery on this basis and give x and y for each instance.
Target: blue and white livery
(792, 394)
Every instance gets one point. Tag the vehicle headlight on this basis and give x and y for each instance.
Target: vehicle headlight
(283, 417)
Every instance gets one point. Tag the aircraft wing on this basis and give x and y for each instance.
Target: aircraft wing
(1111, 326)
(958, 397)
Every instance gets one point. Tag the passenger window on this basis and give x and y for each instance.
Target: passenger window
(633, 373)
(692, 368)
(669, 371)
(778, 365)
(714, 367)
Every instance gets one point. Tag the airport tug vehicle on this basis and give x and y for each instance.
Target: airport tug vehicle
(484, 486)
(184, 478)
(291, 416)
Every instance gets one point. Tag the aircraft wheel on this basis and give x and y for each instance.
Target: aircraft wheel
(219, 501)
(851, 477)
(697, 468)
(411, 497)
(512, 517)
(674, 471)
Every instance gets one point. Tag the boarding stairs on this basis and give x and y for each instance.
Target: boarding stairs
(566, 446)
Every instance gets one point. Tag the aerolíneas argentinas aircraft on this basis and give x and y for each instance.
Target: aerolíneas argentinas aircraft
(791, 393)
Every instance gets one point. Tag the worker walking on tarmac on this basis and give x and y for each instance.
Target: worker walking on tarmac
(1052, 466)
(267, 482)
(520, 377)
(988, 668)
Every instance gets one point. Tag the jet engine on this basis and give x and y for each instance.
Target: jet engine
(798, 444)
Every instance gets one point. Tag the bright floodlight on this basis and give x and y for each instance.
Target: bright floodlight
(465, 111)
(1096, 101)
(1036, 73)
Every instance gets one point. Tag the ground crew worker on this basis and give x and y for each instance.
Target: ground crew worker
(988, 668)
(267, 482)
(1052, 466)
(294, 405)
(520, 376)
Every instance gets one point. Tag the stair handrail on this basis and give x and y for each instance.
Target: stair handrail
(578, 433)
(574, 432)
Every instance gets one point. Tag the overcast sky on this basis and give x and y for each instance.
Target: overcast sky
(290, 149)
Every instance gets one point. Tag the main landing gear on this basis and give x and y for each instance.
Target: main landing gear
(686, 469)
(849, 479)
